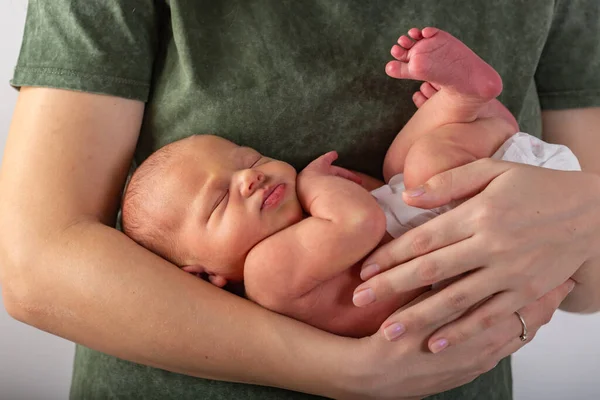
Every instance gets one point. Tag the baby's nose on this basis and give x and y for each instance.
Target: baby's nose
(251, 180)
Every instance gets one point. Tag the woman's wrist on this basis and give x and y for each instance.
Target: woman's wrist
(594, 187)
(194, 329)
(308, 360)
(353, 372)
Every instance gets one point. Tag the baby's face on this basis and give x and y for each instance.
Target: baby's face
(233, 198)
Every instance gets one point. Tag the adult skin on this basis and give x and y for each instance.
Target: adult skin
(525, 231)
(65, 270)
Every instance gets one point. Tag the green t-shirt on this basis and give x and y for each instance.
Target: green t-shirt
(293, 79)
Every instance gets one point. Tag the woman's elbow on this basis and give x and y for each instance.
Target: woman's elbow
(17, 291)
(16, 304)
(19, 277)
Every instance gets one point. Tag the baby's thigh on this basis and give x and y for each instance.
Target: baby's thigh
(439, 151)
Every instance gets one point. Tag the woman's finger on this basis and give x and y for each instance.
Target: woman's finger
(458, 183)
(481, 318)
(490, 313)
(444, 230)
(422, 271)
(442, 307)
(535, 316)
(505, 338)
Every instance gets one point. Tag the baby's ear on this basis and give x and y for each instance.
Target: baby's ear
(201, 272)
(194, 269)
(217, 280)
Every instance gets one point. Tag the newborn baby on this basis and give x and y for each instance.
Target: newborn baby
(215, 208)
(296, 240)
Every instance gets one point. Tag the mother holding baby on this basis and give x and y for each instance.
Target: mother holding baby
(104, 84)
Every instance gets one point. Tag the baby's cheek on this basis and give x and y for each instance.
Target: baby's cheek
(246, 238)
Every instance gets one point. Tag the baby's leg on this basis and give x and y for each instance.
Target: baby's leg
(456, 144)
(451, 146)
(492, 108)
(460, 88)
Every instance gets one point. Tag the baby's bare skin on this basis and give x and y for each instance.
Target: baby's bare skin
(309, 270)
(238, 214)
(458, 121)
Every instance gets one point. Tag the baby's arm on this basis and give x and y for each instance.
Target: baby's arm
(344, 225)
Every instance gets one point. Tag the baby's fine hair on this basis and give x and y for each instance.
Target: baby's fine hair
(137, 220)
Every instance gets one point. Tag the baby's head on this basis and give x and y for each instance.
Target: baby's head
(203, 202)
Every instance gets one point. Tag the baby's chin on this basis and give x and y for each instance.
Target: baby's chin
(296, 213)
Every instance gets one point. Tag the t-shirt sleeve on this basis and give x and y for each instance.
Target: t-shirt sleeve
(105, 46)
(568, 74)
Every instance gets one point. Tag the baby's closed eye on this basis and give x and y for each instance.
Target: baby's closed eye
(221, 202)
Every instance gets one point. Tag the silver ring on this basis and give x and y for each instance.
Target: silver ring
(523, 335)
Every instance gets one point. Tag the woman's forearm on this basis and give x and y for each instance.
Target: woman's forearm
(585, 297)
(578, 129)
(64, 270)
(98, 288)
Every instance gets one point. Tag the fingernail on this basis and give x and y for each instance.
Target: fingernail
(364, 297)
(369, 271)
(394, 331)
(439, 345)
(416, 192)
(570, 287)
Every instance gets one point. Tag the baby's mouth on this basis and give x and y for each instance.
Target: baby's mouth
(273, 196)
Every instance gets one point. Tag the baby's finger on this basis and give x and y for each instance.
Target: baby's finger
(329, 157)
(322, 161)
(344, 173)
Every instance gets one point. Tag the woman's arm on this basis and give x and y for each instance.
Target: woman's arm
(579, 130)
(65, 271)
(529, 230)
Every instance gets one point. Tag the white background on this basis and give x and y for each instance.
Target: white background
(562, 363)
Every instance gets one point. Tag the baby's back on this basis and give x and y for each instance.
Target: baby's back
(329, 306)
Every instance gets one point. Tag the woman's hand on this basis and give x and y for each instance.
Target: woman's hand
(380, 369)
(526, 233)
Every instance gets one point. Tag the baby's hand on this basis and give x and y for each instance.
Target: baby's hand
(323, 166)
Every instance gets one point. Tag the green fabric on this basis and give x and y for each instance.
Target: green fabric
(93, 46)
(293, 79)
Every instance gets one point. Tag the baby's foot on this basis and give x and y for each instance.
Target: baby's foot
(445, 62)
(426, 90)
